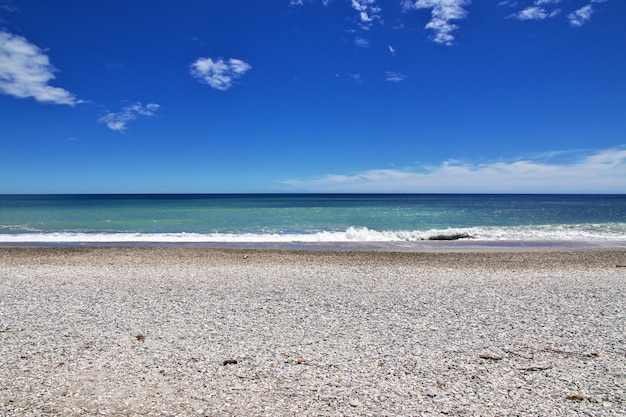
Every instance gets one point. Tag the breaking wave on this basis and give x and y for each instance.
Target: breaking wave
(583, 232)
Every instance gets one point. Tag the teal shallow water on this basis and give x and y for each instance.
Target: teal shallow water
(309, 218)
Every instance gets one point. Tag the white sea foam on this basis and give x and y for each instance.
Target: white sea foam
(588, 232)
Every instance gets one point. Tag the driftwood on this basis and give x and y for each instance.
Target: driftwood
(578, 397)
(453, 236)
(552, 350)
(536, 368)
(490, 356)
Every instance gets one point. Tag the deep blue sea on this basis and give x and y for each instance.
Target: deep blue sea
(340, 220)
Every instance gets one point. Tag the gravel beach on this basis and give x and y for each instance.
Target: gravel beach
(140, 331)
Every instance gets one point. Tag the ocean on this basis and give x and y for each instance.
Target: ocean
(315, 220)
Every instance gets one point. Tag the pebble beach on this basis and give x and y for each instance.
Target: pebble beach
(157, 331)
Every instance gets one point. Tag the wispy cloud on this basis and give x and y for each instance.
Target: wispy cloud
(599, 171)
(531, 13)
(579, 17)
(25, 71)
(446, 13)
(540, 10)
(443, 12)
(219, 73)
(361, 42)
(537, 11)
(302, 2)
(356, 77)
(395, 76)
(118, 121)
(115, 66)
(8, 6)
(369, 12)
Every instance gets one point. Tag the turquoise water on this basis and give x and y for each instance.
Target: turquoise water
(291, 218)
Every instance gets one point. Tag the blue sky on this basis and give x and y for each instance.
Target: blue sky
(312, 96)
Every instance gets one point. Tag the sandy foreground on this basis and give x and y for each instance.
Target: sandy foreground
(208, 332)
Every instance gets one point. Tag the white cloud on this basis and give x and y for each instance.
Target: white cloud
(25, 71)
(219, 74)
(361, 43)
(555, 12)
(579, 17)
(531, 13)
(535, 12)
(301, 2)
(356, 77)
(368, 12)
(597, 172)
(542, 2)
(8, 6)
(539, 12)
(395, 76)
(118, 121)
(443, 12)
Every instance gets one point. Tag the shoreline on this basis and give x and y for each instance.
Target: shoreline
(201, 332)
(492, 257)
(295, 242)
(399, 246)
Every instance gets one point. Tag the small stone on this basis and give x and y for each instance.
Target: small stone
(431, 394)
(490, 356)
(355, 403)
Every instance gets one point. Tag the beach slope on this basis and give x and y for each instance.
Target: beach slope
(137, 331)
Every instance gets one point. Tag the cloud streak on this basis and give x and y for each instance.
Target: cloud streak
(531, 13)
(443, 12)
(219, 74)
(579, 17)
(8, 6)
(538, 11)
(602, 171)
(368, 12)
(117, 121)
(395, 76)
(361, 43)
(25, 72)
